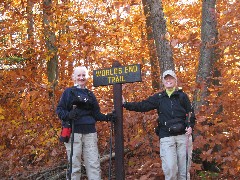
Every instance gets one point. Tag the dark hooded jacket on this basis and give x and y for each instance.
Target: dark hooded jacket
(88, 109)
(176, 106)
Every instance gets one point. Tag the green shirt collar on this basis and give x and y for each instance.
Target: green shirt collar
(170, 91)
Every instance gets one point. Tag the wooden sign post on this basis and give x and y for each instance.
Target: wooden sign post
(117, 75)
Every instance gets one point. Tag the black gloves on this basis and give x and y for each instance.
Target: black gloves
(73, 114)
(111, 116)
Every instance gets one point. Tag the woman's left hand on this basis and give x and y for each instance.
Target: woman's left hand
(188, 131)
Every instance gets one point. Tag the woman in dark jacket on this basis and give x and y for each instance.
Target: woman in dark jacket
(80, 105)
(175, 131)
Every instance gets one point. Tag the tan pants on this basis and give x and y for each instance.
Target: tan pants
(86, 144)
(173, 155)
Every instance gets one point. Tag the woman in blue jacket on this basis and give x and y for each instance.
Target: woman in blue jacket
(80, 105)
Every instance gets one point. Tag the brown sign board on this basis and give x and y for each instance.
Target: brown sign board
(114, 75)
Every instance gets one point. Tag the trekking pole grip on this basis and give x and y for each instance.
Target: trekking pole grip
(188, 118)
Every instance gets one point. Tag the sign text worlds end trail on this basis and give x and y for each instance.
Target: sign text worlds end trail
(114, 75)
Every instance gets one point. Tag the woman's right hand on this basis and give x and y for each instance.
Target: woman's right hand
(123, 100)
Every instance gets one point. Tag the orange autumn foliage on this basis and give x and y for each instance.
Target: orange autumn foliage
(94, 34)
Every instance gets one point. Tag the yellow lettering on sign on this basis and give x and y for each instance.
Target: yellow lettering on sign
(129, 69)
(103, 73)
(116, 79)
(108, 72)
(110, 79)
(117, 71)
(120, 70)
(98, 73)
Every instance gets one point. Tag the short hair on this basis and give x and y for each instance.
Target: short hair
(77, 69)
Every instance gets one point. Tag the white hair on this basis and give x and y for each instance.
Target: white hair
(76, 71)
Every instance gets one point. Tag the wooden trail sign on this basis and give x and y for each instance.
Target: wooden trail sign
(120, 74)
(117, 75)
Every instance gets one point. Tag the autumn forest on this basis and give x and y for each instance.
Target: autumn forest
(41, 41)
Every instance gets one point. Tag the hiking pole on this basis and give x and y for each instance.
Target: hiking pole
(71, 154)
(110, 160)
(187, 142)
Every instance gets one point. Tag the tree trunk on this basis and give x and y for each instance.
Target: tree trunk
(28, 54)
(152, 48)
(50, 39)
(164, 51)
(30, 19)
(208, 56)
(208, 53)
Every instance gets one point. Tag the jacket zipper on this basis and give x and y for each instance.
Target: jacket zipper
(171, 107)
